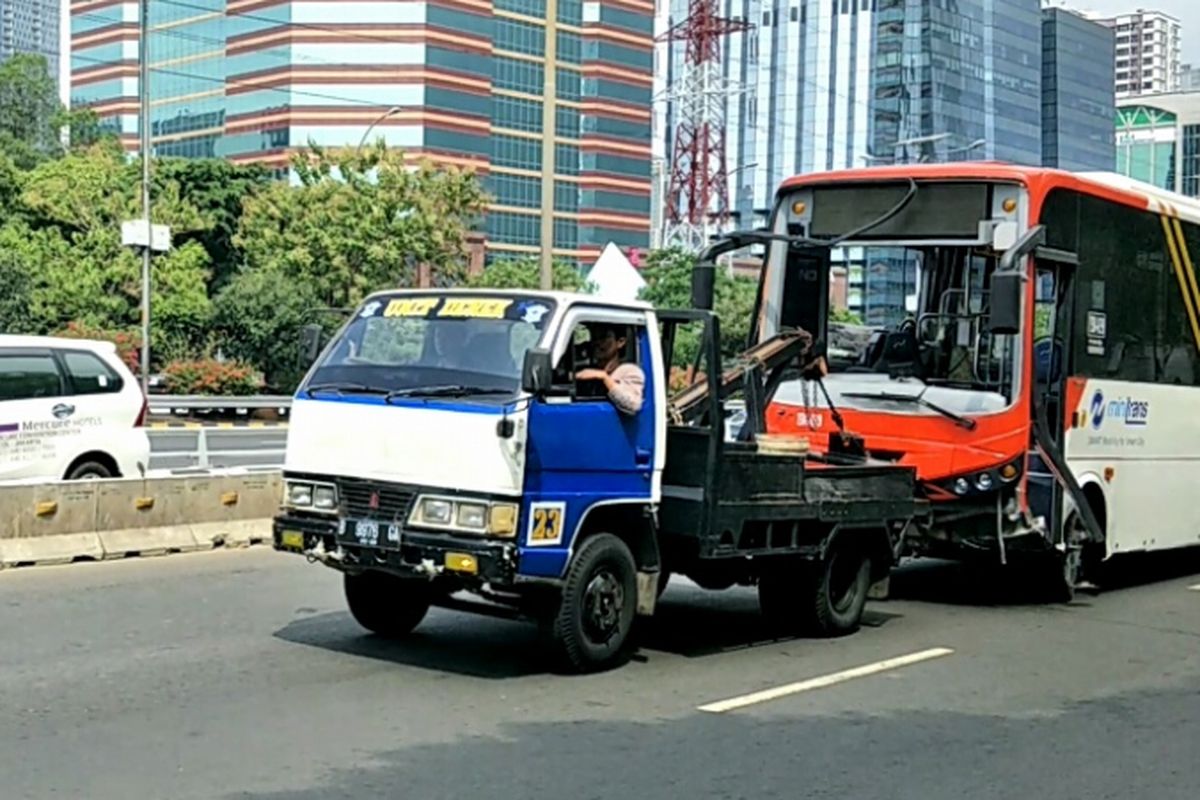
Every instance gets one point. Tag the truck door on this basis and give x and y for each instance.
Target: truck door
(583, 451)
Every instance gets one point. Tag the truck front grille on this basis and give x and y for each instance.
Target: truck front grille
(391, 502)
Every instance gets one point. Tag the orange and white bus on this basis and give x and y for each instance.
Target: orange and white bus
(1045, 384)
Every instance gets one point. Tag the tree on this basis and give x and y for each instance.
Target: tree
(526, 273)
(73, 209)
(218, 189)
(258, 319)
(361, 221)
(668, 275)
(29, 109)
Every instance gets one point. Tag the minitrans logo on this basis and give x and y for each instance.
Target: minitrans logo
(1134, 413)
(1097, 409)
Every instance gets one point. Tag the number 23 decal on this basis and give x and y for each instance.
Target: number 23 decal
(546, 524)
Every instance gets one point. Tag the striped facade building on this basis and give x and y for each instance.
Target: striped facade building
(548, 101)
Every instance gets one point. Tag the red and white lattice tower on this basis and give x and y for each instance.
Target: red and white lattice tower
(698, 188)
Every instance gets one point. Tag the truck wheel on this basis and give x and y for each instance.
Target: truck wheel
(590, 627)
(386, 604)
(824, 598)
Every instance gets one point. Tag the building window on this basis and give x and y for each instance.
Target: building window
(516, 153)
(517, 75)
(518, 114)
(520, 37)
(506, 228)
(566, 159)
(566, 199)
(516, 190)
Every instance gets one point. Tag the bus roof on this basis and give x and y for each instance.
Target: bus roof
(1110, 185)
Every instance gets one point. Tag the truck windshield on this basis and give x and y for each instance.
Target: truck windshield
(412, 345)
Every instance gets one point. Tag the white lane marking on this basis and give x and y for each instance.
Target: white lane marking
(1195, 588)
(734, 703)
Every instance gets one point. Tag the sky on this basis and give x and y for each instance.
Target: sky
(1186, 11)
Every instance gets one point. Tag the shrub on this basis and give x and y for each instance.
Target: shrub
(208, 376)
(129, 343)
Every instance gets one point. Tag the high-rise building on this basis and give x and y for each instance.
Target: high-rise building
(546, 100)
(1148, 52)
(30, 26)
(1189, 79)
(1078, 99)
(1158, 140)
(958, 79)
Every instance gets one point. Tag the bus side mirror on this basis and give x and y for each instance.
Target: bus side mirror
(1005, 316)
(537, 373)
(310, 343)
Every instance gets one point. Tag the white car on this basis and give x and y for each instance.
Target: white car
(69, 409)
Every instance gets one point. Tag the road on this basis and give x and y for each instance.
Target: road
(239, 674)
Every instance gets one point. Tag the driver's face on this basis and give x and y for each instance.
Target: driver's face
(605, 346)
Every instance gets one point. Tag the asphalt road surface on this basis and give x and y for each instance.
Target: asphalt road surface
(240, 675)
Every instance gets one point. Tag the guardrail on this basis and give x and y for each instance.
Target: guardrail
(196, 446)
(63, 522)
(199, 402)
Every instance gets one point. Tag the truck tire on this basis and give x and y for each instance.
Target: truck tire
(589, 628)
(386, 605)
(825, 598)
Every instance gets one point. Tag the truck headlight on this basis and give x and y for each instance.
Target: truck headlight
(472, 515)
(311, 495)
(468, 515)
(300, 494)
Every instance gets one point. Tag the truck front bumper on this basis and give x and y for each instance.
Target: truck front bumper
(473, 559)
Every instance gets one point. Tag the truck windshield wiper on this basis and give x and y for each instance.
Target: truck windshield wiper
(965, 422)
(452, 390)
(342, 388)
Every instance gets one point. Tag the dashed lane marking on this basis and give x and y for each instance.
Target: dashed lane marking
(824, 681)
(1195, 588)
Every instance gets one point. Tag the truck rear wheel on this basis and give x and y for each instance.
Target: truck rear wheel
(387, 605)
(825, 598)
(590, 626)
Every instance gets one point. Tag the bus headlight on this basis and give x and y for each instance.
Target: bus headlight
(466, 515)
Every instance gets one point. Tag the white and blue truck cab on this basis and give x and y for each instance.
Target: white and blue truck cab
(440, 445)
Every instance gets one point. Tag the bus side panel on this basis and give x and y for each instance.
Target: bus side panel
(1148, 435)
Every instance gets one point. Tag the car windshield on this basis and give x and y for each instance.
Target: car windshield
(434, 345)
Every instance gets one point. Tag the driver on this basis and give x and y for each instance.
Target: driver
(624, 382)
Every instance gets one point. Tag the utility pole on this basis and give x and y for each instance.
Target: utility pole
(144, 91)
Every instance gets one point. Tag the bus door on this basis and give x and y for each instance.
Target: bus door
(1054, 275)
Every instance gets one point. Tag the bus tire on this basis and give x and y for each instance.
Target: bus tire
(589, 629)
(386, 605)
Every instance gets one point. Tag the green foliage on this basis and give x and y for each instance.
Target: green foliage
(217, 189)
(208, 376)
(360, 222)
(845, 315)
(668, 276)
(32, 119)
(258, 319)
(526, 273)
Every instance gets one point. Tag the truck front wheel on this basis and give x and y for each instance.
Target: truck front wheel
(386, 604)
(825, 597)
(590, 627)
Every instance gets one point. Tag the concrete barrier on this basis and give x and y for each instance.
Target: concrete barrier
(62, 522)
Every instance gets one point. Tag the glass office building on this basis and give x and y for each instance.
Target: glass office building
(1078, 95)
(958, 80)
(547, 101)
(1158, 140)
(30, 26)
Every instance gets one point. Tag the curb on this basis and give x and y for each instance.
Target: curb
(69, 548)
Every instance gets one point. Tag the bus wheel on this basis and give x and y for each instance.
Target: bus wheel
(387, 605)
(590, 627)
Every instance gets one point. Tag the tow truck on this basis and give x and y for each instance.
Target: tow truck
(441, 453)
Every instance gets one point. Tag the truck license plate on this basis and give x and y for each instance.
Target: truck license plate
(371, 533)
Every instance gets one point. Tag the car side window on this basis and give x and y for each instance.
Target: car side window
(89, 374)
(580, 355)
(29, 376)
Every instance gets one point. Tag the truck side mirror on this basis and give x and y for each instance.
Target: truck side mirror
(537, 373)
(310, 343)
(1005, 316)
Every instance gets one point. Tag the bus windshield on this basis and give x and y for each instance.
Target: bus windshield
(434, 345)
(907, 301)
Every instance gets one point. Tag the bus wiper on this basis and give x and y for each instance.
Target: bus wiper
(451, 390)
(342, 388)
(965, 422)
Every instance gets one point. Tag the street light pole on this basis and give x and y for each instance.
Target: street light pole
(385, 115)
(144, 91)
